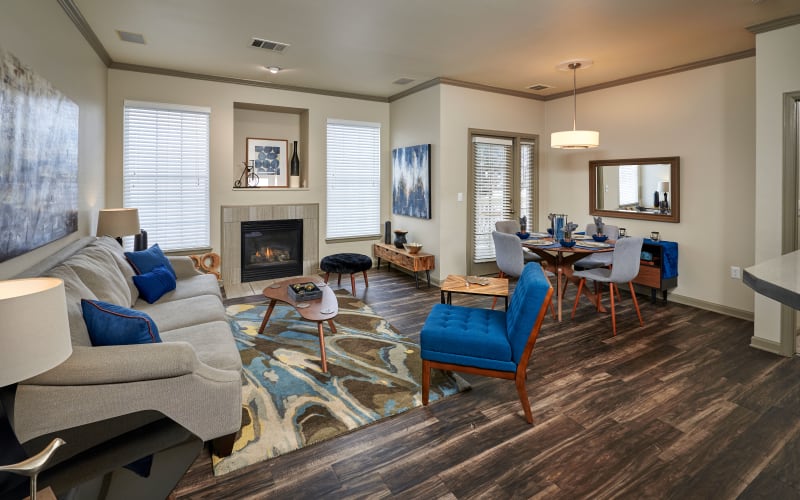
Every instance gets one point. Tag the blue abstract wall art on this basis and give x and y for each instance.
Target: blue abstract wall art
(38, 160)
(411, 181)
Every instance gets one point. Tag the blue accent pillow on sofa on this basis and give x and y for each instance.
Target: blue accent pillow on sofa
(154, 284)
(145, 261)
(110, 324)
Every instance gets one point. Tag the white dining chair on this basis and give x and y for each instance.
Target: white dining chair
(625, 266)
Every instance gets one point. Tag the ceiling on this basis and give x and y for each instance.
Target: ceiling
(363, 46)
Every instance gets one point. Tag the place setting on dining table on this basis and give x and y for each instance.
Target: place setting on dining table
(561, 246)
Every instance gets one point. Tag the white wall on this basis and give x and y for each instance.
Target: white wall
(41, 35)
(226, 151)
(706, 117)
(777, 72)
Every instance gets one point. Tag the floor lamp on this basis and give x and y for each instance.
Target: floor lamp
(35, 338)
(119, 222)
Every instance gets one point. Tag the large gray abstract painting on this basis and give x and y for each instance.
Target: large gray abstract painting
(38, 160)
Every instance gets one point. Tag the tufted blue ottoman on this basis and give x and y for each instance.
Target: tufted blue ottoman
(346, 263)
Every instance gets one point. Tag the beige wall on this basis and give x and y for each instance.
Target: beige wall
(706, 117)
(44, 39)
(777, 72)
(416, 120)
(226, 151)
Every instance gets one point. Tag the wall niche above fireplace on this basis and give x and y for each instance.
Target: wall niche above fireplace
(269, 122)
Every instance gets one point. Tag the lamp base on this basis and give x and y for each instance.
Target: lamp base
(140, 241)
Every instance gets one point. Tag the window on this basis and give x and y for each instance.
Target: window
(353, 179)
(503, 179)
(628, 185)
(166, 172)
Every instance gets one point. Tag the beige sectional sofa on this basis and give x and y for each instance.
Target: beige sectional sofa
(193, 377)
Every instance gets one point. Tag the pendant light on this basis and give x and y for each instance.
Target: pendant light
(575, 139)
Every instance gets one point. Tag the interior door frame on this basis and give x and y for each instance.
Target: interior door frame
(791, 209)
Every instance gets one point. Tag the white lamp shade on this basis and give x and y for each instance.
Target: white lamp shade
(575, 139)
(118, 222)
(663, 186)
(34, 329)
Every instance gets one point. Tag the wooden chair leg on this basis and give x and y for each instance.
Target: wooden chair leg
(426, 380)
(523, 398)
(636, 303)
(613, 312)
(578, 297)
(353, 283)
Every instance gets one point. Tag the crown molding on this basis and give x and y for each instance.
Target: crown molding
(80, 22)
(774, 24)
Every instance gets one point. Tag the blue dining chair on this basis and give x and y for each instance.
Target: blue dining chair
(624, 268)
(487, 342)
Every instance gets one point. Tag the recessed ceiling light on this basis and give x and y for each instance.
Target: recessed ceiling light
(273, 69)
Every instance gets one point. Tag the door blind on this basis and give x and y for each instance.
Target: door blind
(492, 192)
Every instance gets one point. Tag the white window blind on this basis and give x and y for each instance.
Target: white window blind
(166, 172)
(527, 187)
(492, 191)
(353, 179)
(628, 185)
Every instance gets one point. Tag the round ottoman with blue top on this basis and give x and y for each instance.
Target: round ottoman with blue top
(346, 263)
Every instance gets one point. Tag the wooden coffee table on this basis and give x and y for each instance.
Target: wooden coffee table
(318, 310)
(456, 283)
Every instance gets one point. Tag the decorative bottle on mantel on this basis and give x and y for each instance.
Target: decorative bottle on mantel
(294, 172)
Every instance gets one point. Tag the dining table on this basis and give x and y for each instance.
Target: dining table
(560, 260)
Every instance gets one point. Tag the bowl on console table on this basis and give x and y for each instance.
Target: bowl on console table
(413, 247)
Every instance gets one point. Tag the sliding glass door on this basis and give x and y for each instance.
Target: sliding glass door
(503, 185)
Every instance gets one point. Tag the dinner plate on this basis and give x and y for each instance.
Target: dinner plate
(540, 235)
(581, 237)
(593, 244)
(539, 243)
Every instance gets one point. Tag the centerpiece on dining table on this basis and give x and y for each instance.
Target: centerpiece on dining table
(567, 240)
(599, 236)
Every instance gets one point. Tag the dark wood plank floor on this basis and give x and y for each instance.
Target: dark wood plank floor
(681, 408)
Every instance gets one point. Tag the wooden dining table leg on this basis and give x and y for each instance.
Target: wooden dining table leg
(267, 315)
(559, 290)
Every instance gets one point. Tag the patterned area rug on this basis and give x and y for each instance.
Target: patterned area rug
(289, 403)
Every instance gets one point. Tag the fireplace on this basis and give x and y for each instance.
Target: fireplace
(272, 249)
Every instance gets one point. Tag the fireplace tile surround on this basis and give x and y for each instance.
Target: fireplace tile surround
(234, 215)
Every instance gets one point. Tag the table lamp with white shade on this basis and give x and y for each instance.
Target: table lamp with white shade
(119, 222)
(663, 186)
(34, 337)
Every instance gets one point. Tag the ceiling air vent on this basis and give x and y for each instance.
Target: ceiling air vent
(269, 45)
(539, 86)
(403, 81)
(127, 36)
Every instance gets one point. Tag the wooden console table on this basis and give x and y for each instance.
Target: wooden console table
(414, 262)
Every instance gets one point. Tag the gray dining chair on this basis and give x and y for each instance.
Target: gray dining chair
(509, 258)
(512, 227)
(596, 260)
(626, 258)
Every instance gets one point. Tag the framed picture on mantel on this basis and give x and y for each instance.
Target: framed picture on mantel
(269, 160)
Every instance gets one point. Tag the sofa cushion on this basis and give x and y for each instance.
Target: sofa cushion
(75, 291)
(145, 261)
(116, 250)
(110, 324)
(152, 285)
(212, 342)
(195, 286)
(98, 270)
(176, 314)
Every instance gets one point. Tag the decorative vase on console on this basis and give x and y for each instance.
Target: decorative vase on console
(294, 171)
(400, 238)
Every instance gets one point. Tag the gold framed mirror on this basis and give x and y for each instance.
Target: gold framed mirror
(636, 188)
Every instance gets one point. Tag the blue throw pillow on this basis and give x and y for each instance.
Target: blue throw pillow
(154, 284)
(110, 324)
(145, 261)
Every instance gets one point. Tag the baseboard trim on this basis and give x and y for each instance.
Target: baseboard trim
(766, 345)
(710, 306)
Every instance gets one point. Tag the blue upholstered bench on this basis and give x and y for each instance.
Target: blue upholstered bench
(487, 342)
(346, 263)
